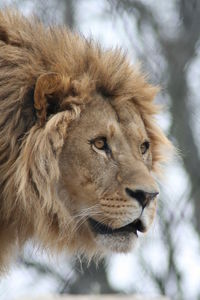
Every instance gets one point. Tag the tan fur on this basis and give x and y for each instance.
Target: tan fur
(55, 88)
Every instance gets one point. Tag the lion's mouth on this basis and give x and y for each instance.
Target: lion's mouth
(133, 227)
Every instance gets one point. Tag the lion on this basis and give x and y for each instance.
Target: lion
(79, 144)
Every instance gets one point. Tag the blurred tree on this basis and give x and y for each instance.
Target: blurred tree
(49, 11)
(69, 13)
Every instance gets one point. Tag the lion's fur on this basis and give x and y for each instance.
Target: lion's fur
(28, 204)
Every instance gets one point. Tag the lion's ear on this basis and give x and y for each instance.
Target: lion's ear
(50, 88)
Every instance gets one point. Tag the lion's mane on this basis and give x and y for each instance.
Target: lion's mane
(29, 207)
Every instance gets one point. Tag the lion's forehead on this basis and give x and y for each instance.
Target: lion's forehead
(106, 117)
(130, 116)
(131, 123)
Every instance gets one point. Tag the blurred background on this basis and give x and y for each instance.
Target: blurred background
(165, 37)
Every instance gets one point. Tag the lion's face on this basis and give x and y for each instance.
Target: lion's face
(106, 181)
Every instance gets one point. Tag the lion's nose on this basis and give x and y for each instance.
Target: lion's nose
(144, 198)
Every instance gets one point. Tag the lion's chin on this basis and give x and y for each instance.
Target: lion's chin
(116, 242)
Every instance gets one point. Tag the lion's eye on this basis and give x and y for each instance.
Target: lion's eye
(101, 144)
(144, 147)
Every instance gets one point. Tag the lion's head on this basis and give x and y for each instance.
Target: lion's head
(79, 144)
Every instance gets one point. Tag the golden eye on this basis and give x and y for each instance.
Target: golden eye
(144, 147)
(100, 143)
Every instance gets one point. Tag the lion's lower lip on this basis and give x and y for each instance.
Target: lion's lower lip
(104, 229)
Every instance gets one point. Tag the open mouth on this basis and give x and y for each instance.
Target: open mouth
(133, 227)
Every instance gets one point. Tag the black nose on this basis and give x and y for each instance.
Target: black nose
(144, 198)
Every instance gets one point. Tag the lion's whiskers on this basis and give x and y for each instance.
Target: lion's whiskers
(83, 219)
(82, 216)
